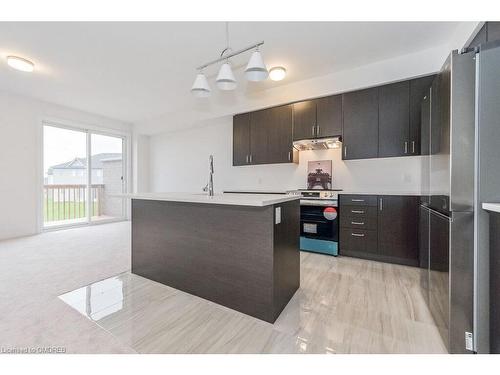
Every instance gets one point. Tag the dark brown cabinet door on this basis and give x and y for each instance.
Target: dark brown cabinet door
(493, 31)
(360, 124)
(241, 139)
(398, 228)
(329, 116)
(304, 120)
(394, 119)
(419, 88)
(480, 38)
(280, 134)
(259, 140)
(271, 135)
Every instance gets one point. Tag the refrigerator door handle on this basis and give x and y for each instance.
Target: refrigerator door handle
(437, 213)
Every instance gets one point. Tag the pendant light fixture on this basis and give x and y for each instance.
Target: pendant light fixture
(225, 79)
(255, 71)
(200, 87)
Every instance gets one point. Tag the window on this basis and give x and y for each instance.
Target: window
(83, 171)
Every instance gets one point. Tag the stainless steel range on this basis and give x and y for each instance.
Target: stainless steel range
(318, 220)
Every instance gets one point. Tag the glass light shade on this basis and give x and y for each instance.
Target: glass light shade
(200, 88)
(256, 69)
(225, 79)
(20, 64)
(277, 73)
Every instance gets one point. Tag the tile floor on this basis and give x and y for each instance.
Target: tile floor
(344, 305)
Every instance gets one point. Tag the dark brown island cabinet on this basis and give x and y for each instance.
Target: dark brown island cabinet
(242, 257)
(317, 118)
(264, 137)
(380, 227)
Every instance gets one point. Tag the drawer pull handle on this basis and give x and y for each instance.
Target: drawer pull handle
(357, 211)
(357, 200)
(357, 234)
(356, 223)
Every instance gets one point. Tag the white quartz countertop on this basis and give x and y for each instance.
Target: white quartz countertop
(258, 200)
(495, 207)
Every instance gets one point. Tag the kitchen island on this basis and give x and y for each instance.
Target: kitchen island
(238, 250)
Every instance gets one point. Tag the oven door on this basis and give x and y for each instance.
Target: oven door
(317, 222)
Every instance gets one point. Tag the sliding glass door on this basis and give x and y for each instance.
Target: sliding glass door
(83, 172)
(107, 177)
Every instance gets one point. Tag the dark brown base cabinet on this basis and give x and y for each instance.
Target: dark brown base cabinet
(495, 283)
(380, 227)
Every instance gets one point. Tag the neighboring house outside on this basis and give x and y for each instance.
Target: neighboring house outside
(74, 171)
(107, 172)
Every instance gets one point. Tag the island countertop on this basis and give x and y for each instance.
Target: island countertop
(258, 200)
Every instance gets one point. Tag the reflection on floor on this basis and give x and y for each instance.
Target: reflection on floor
(344, 305)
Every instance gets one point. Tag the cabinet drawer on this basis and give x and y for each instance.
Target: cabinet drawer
(358, 240)
(358, 222)
(358, 200)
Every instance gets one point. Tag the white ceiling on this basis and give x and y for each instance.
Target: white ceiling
(138, 71)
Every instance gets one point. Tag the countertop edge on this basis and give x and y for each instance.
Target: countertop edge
(493, 207)
(216, 200)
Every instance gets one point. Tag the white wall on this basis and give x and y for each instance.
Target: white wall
(179, 162)
(20, 156)
(141, 167)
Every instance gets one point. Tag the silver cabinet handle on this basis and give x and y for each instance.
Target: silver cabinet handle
(406, 147)
(345, 151)
(357, 212)
(356, 223)
(357, 200)
(317, 130)
(357, 235)
(412, 147)
(289, 155)
(250, 158)
(380, 204)
(312, 130)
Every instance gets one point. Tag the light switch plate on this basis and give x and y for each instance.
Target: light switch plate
(277, 215)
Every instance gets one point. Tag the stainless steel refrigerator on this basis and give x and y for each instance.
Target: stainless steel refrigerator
(452, 239)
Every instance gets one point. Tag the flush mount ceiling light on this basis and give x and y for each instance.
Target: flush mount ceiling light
(200, 88)
(255, 71)
(21, 64)
(277, 73)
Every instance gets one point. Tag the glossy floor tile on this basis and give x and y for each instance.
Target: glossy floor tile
(344, 305)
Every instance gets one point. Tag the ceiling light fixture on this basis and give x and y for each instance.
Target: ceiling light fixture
(255, 71)
(225, 79)
(21, 64)
(277, 73)
(200, 87)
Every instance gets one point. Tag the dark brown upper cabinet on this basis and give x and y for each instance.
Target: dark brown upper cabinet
(279, 134)
(241, 139)
(360, 124)
(318, 118)
(394, 120)
(419, 88)
(329, 116)
(304, 120)
(263, 137)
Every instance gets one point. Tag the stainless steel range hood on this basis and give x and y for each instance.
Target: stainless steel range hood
(317, 144)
